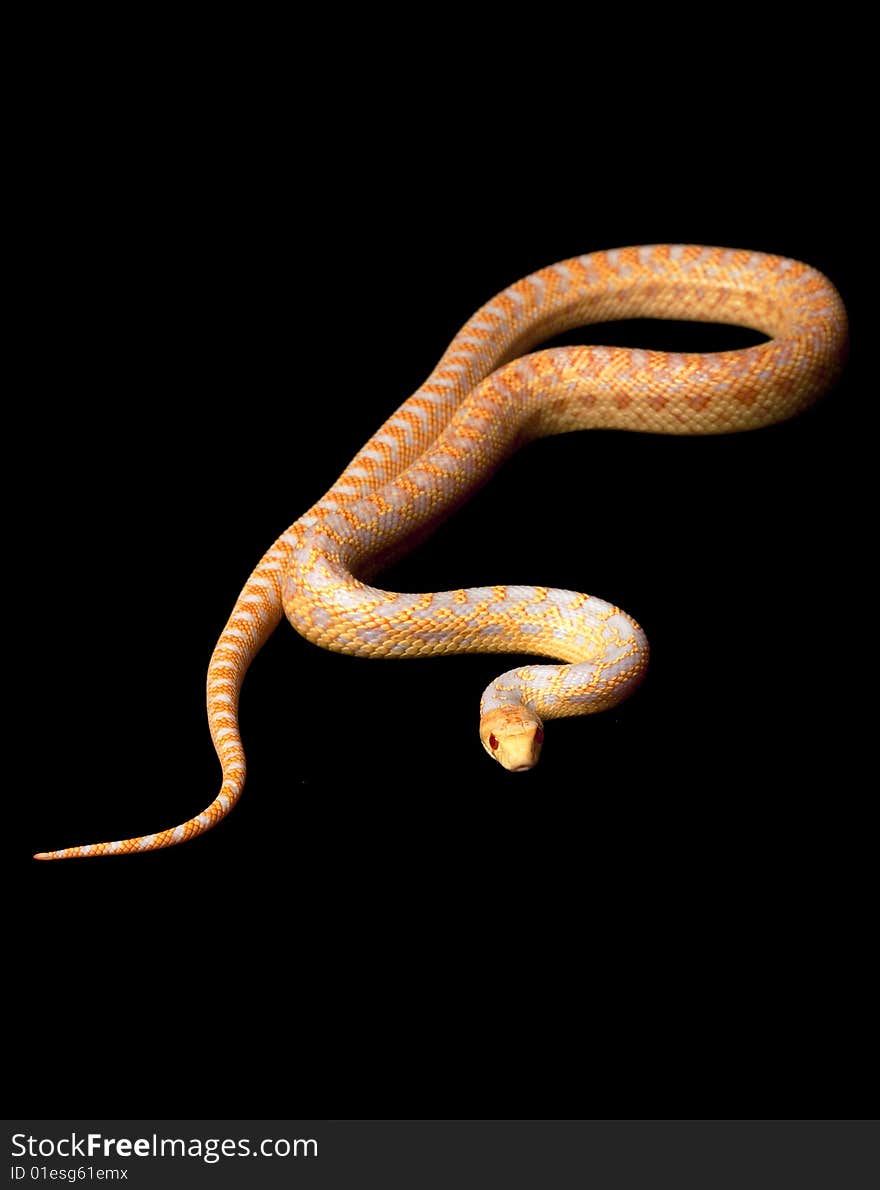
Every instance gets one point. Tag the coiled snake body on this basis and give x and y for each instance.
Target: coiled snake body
(487, 396)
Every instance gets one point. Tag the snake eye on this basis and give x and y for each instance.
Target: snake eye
(539, 736)
(493, 743)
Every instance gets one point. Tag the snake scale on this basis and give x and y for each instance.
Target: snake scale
(489, 394)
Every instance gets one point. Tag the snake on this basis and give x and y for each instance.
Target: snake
(490, 394)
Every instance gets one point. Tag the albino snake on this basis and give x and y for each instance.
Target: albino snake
(484, 399)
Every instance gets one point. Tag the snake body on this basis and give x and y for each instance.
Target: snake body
(488, 395)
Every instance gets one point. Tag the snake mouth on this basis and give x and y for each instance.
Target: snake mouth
(522, 768)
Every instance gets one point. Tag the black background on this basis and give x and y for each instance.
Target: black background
(231, 285)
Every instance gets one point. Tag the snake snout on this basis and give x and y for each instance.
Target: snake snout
(519, 752)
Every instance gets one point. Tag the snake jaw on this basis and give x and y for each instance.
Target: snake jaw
(512, 735)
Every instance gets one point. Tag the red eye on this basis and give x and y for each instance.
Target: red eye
(539, 736)
(493, 743)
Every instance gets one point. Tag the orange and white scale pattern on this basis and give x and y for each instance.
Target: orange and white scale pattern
(489, 394)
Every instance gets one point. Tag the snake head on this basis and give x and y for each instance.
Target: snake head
(513, 736)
